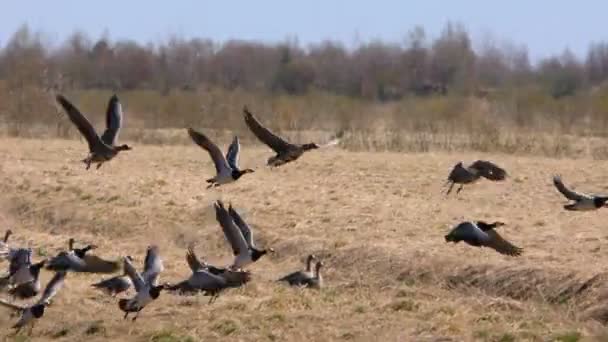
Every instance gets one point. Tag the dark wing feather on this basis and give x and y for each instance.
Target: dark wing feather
(216, 155)
(21, 258)
(136, 278)
(232, 233)
(489, 170)
(273, 141)
(193, 261)
(81, 122)
(52, 287)
(232, 156)
(501, 245)
(113, 121)
(569, 194)
(242, 225)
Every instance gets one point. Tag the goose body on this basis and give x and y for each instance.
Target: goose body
(482, 234)
(299, 278)
(101, 148)
(285, 152)
(226, 167)
(462, 175)
(581, 201)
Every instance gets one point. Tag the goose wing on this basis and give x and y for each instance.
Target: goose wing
(22, 257)
(153, 265)
(221, 165)
(489, 170)
(569, 194)
(232, 156)
(499, 244)
(52, 287)
(232, 233)
(81, 122)
(273, 141)
(242, 225)
(136, 278)
(95, 264)
(203, 280)
(193, 261)
(66, 261)
(113, 121)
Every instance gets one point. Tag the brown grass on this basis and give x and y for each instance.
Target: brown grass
(378, 220)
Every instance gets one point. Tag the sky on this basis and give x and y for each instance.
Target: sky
(546, 27)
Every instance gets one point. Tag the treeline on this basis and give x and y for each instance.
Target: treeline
(381, 71)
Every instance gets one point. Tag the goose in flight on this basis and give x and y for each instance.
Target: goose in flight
(77, 260)
(582, 202)
(208, 279)
(226, 167)
(101, 148)
(300, 278)
(145, 284)
(239, 235)
(285, 151)
(32, 312)
(470, 174)
(23, 276)
(482, 234)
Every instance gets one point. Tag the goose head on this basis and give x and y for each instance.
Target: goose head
(37, 310)
(7, 235)
(310, 146)
(123, 147)
(600, 201)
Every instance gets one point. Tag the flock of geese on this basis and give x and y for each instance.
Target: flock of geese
(23, 282)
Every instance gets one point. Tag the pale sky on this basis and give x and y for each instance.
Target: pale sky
(545, 26)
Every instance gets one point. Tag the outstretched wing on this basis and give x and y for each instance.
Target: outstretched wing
(232, 156)
(243, 226)
(501, 245)
(216, 155)
(232, 233)
(193, 261)
(273, 141)
(153, 265)
(136, 278)
(569, 194)
(81, 122)
(52, 287)
(113, 121)
(489, 170)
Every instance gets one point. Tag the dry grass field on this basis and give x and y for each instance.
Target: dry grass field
(377, 219)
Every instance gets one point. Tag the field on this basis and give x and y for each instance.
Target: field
(377, 219)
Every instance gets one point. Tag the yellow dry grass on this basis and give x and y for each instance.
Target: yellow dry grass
(377, 219)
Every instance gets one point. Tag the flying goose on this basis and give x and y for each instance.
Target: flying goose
(482, 234)
(299, 278)
(144, 283)
(239, 235)
(30, 313)
(467, 175)
(582, 202)
(285, 151)
(209, 281)
(101, 148)
(23, 277)
(227, 168)
(77, 260)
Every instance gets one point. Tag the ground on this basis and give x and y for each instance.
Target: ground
(377, 219)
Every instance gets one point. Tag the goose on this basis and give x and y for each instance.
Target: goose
(77, 260)
(315, 282)
(101, 148)
(115, 285)
(239, 235)
(582, 202)
(32, 312)
(470, 174)
(210, 282)
(227, 167)
(23, 277)
(144, 283)
(299, 278)
(285, 151)
(482, 234)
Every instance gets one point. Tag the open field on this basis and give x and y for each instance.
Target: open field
(377, 219)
